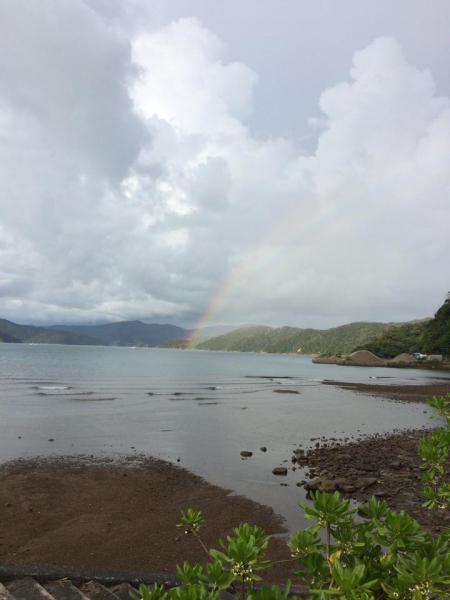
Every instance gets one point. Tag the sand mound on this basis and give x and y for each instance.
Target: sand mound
(404, 357)
(326, 359)
(364, 357)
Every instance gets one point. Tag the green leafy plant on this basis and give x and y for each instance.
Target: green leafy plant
(434, 450)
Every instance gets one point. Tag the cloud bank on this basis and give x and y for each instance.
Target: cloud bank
(132, 187)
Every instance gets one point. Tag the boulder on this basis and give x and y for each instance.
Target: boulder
(340, 483)
(344, 457)
(280, 471)
(348, 489)
(364, 482)
(313, 485)
(246, 453)
(397, 465)
(327, 485)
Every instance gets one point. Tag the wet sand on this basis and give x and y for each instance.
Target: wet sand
(400, 393)
(84, 512)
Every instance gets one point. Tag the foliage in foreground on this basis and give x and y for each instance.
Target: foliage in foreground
(383, 556)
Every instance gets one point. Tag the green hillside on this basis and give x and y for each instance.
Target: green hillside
(431, 336)
(436, 337)
(261, 338)
(396, 340)
(6, 338)
(14, 333)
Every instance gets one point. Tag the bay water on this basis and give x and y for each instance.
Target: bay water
(198, 409)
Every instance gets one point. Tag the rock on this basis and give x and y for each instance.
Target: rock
(348, 489)
(280, 471)
(364, 482)
(327, 485)
(345, 457)
(397, 465)
(382, 495)
(313, 485)
(340, 483)
(246, 453)
(263, 449)
(51, 440)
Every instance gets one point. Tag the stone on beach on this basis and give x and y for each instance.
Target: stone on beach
(280, 471)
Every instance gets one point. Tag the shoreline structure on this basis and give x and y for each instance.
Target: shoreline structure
(365, 358)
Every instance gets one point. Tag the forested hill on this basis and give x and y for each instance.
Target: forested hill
(436, 337)
(129, 333)
(430, 336)
(406, 338)
(261, 338)
(13, 333)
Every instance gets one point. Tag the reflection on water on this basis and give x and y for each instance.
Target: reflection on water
(200, 407)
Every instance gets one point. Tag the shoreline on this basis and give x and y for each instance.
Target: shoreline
(386, 466)
(394, 392)
(122, 513)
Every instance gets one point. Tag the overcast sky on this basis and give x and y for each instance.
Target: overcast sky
(248, 161)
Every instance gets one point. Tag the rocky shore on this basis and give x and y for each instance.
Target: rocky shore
(384, 466)
(387, 468)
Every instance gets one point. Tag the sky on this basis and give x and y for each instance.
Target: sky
(200, 162)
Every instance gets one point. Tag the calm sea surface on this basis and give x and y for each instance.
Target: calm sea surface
(200, 407)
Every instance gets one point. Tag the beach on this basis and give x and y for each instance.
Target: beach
(122, 514)
(118, 514)
(92, 441)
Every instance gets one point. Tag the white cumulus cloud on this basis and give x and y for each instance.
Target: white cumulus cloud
(132, 186)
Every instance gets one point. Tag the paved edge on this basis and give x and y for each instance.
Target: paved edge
(44, 573)
(77, 575)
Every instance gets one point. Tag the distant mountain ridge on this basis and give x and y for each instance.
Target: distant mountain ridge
(122, 333)
(14, 333)
(129, 333)
(384, 339)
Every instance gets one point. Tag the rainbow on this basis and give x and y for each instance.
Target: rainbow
(286, 237)
(254, 268)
